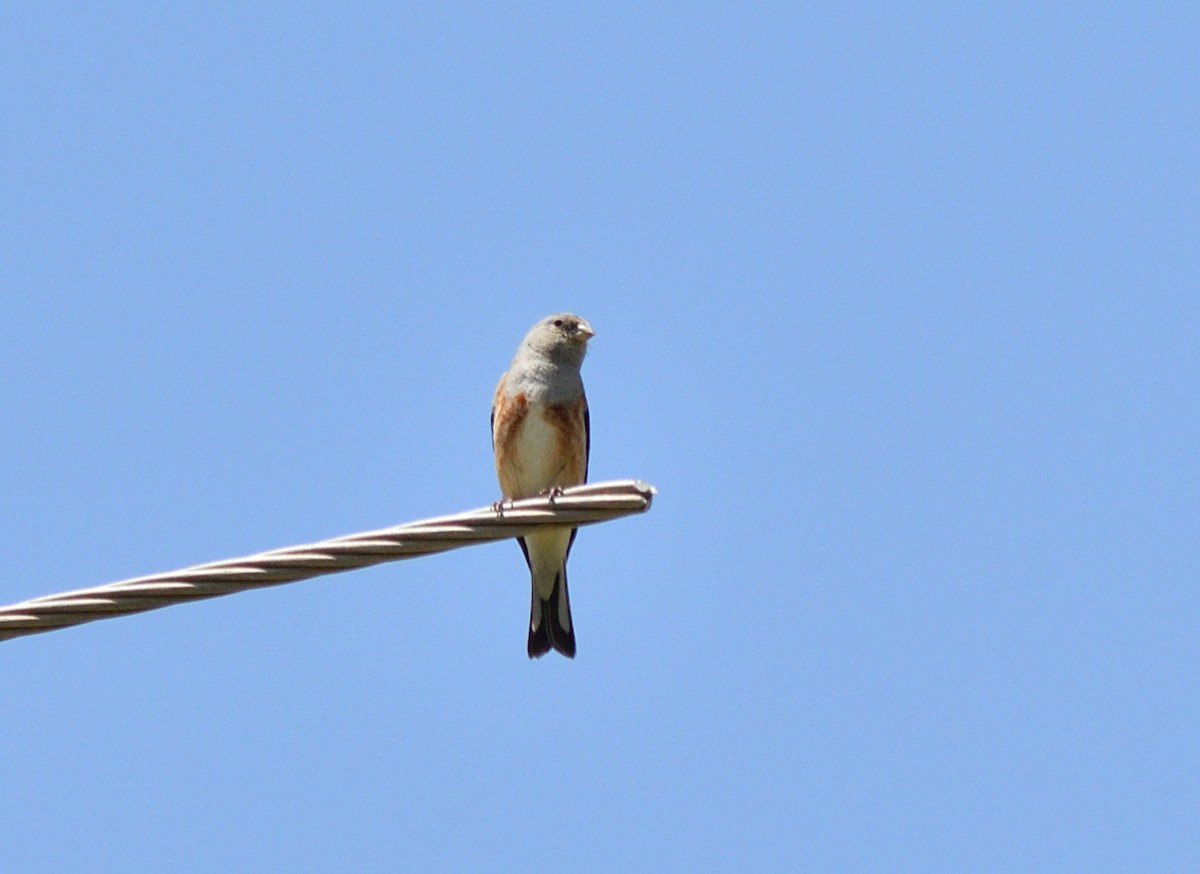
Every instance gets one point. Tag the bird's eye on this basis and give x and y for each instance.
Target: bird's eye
(558, 323)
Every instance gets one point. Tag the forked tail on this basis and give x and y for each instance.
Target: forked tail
(550, 625)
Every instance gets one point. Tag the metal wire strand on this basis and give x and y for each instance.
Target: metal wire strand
(575, 506)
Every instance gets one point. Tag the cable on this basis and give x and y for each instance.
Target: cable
(575, 506)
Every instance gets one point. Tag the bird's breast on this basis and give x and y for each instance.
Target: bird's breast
(546, 449)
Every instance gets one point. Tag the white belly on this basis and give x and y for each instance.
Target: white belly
(537, 455)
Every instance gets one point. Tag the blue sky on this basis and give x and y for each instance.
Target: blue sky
(896, 306)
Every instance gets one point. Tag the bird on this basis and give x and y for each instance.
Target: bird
(541, 440)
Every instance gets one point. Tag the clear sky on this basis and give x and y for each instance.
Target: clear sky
(896, 304)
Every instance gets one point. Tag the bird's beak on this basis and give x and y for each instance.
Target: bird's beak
(586, 330)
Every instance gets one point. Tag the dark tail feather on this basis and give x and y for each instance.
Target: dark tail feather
(550, 624)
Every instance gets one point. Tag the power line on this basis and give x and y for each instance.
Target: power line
(575, 506)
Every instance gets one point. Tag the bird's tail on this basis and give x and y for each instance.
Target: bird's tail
(550, 624)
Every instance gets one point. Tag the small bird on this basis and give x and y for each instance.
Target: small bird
(541, 437)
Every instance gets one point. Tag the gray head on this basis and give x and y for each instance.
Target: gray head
(561, 338)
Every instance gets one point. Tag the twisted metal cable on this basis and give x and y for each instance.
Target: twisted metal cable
(575, 506)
